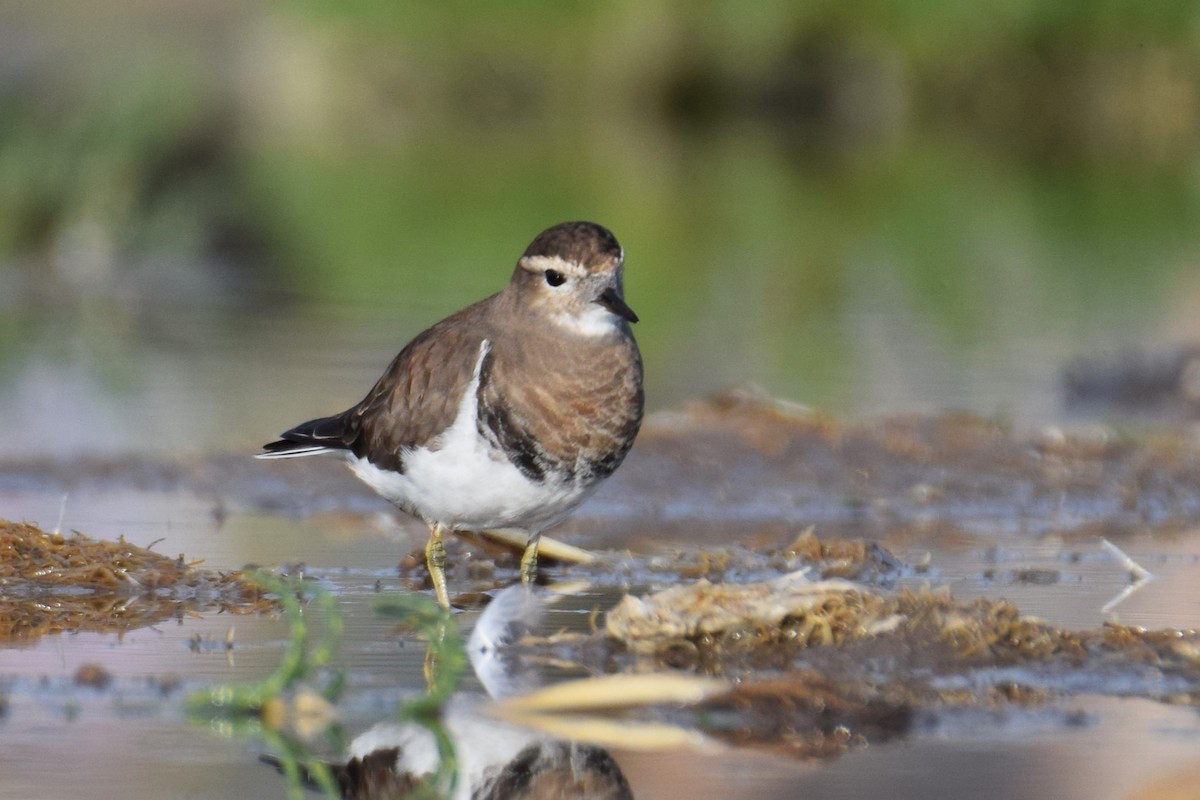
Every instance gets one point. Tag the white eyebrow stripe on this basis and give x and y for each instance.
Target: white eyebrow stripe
(543, 263)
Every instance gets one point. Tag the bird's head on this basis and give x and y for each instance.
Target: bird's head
(573, 275)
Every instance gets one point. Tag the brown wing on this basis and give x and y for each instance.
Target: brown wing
(419, 393)
(416, 398)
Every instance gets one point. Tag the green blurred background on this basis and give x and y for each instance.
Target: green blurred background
(219, 217)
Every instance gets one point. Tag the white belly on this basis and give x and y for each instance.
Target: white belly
(466, 485)
(465, 488)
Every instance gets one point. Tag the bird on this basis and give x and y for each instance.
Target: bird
(508, 414)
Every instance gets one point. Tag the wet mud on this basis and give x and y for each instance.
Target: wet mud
(831, 585)
(743, 457)
(848, 665)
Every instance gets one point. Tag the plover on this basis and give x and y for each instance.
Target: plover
(508, 414)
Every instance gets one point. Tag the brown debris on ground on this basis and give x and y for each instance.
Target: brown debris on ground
(840, 558)
(848, 664)
(727, 624)
(704, 614)
(29, 554)
(50, 583)
(742, 456)
(852, 559)
(806, 714)
(741, 451)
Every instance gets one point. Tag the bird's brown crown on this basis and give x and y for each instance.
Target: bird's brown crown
(587, 244)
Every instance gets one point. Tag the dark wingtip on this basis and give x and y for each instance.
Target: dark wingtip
(316, 435)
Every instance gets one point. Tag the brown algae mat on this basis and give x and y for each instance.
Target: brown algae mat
(50, 583)
(721, 628)
(823, 664)
(749, 450)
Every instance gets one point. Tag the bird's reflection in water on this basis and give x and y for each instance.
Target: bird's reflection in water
(545, 768)
(496, 760)
(551, 768)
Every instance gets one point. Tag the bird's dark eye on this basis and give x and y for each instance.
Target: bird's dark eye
(555, 278)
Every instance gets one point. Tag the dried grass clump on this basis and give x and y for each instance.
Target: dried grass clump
(791, 608)
(713, 626)
(50, 583)
(29, 554)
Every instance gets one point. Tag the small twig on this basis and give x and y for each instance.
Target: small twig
(1139, 572)
(1141, 575)
(62, 513)
(123, 574)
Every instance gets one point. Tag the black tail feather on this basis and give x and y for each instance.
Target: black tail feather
(331, 433)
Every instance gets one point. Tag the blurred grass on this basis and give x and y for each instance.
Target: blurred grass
(757, 162)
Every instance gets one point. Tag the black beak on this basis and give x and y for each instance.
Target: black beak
(616, 304)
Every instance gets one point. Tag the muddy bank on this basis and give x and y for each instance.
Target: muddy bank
(739, 457)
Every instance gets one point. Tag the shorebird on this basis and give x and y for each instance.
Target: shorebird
(507, 414)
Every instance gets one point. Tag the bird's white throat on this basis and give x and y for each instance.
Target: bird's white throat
(595, 321)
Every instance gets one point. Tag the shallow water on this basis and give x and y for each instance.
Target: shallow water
(138, 406)
(896, 259)
(135, 735)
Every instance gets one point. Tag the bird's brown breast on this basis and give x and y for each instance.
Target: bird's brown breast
(569, 406)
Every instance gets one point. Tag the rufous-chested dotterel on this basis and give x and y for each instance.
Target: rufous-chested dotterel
(508, 414)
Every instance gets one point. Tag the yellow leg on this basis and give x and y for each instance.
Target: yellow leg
(431, 666)
(435, 560)
(529, 559)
